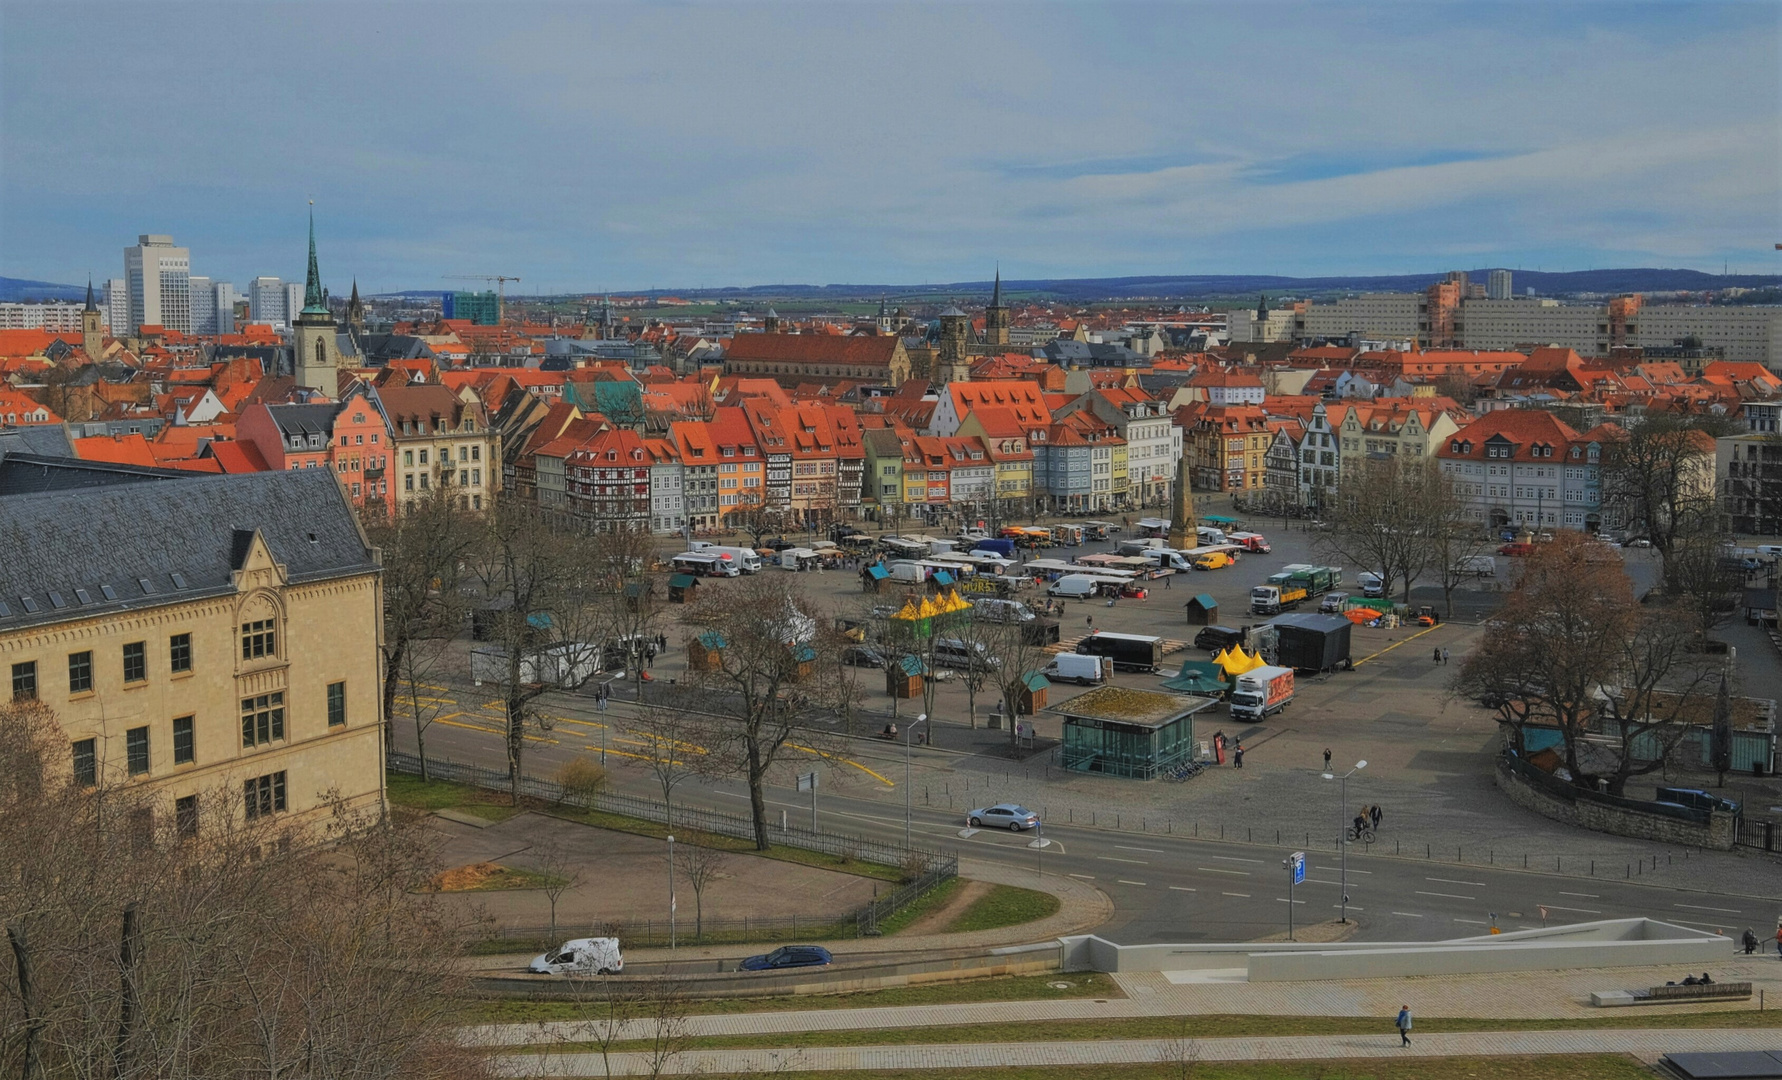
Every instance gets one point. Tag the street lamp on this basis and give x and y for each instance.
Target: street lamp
(671, 933)
(1342, 833)
(907, 732)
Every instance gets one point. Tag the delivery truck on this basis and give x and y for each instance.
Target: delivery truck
(1249, 541)
(1274, 599)
(1129, 652)
(1261, 691)
(1142, 545)
(1079, 668)
(1313, 642)
(1317, 580)
(996, 546)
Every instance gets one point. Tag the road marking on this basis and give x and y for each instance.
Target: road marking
(1245, 895)
(1449, 895)
(1585, 910)
(1216, 870)
(1471, 922)
(1697, 907)
(1085, 877)
(1231, 858)
(1123, 881)
(1110, 858)
(1408, 914)
(1352, 907)
(1338, 869)
(1452, 881)
(732, 794)
(1585, 895)
(1152, 850)
(1396, 644)
(1180, 888)
(1284, 900)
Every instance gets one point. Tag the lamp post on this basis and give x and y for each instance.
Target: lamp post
(907, 732)
(671, 933)
(1343, 832)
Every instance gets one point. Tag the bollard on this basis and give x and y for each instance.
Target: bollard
(1169, 825)
(1525, 862)
(1249, 835)
(1426, 853)
(1491, 856)
(1593, 868)
(1144, 824)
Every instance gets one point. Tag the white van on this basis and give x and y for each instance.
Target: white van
(1075, 586)
(582, 956)
(1480, 565)
(1004, 611)
(1372, 584)
(1078, 668)
(704, 563)
(745, 559)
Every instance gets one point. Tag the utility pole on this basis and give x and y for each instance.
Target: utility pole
(1343, 831)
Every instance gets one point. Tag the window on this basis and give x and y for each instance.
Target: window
(136, 661)
(86, 762)
(24, 681)
(408, 482)
(80, 672)
(183, 744)
(136, 750)
(264, 795)
(476, 453)
(262, 719)
(258, 638)
(185, 815)
(408, 457)
(463, 453)
(336, 704)
(423, 457)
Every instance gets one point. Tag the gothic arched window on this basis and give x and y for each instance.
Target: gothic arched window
(321, 354)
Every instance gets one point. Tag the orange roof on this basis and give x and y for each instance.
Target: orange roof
(20, 409)
(812, 348)
(130, 449)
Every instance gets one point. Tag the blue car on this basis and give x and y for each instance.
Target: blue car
(789, 956)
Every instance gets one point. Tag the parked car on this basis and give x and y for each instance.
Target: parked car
(1333, 603)
(582, 956)
(864, 656)
(1696, 799)
(1516, 549)
(1215, 639)
(1011, 816)
(789, 956)
(1638, 542)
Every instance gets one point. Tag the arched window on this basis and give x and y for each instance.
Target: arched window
(321, 353)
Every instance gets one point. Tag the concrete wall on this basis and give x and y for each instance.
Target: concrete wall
(1716, 835)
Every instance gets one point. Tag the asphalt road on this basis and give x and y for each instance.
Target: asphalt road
(1164, 888)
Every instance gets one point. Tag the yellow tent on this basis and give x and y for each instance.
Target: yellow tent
(908, 612)
(955, 602)
(928, 610)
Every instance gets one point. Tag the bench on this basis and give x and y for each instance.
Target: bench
(1672, 995)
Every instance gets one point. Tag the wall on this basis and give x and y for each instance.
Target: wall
(1717, 834)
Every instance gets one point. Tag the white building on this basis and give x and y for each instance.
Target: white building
(1372, 315)
(158, 276)
(117, 307)
(293, 300)
(668, 504)
(204, 306)
(1525, 468)
(1504, 324)
(266, 302)
(224, 297)
(1498, 286)
(56, 315)
(1752, 333)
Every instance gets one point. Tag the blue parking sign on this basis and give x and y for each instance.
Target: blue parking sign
(1299, 867)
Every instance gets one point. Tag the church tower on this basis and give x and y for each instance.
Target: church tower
(355, 310)
(996, 317)
(316, 347)
(92, 328)
(951, 364)
(771, 324)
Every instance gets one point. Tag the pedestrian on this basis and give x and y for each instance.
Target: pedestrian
(1374, 815)
(1327, 759)
(1436, 655)
(600, 697)
(1750, 941)
(1444, 657)
(1167, 580)
(1779, 941)
(1091, 622)
(1403, 1023)
(1237, 755)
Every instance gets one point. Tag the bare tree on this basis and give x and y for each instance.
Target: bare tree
(772, 641)
(1377, 521)
(1180, 1053)
(1022, 652)
(678, 746)
(1701, 575)
(1456, 539)
(559, 870)
(549, 621)
(700, 863)
(1659, 476)
(628, 594)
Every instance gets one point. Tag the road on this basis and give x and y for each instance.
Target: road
(1164, 887)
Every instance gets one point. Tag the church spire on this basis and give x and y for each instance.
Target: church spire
(90, 305)
(313, 301)
(996, 295)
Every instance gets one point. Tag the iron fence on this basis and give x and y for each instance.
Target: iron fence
(688, 929)
(1759, 833)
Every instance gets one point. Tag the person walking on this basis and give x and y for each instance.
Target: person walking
(1374, 815)
(600, 698)
(1403, 1023)
(1779, 942)
(1237, 755)
(1444, 656)
(1436, 655)
(1750, 941)
(1327, 759)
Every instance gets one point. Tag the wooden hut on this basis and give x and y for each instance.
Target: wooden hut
(1203, 610)
(1035, 689)
(706, 652)
(904, 678)
(681, 588)
(872, 576)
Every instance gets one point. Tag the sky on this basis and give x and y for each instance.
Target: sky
(620, 146)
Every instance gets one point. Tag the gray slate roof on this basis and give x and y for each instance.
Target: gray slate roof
(118, 536)
(50, 440)
(30, 474)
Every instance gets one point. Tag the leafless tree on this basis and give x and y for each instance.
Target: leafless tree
(559, 870)
(1702, 576)
(1456, 539)
(678, 745)
(699, 863)
(1180, 1053)
(1659, 476)
(773, 641)
(1377, 521)
(629, 597)
(1022, 652)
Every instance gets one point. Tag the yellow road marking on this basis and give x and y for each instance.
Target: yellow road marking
(849, 761)
(1396, 644)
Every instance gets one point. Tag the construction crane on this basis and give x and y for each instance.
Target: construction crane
(500, 281)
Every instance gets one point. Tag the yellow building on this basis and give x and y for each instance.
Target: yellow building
(443, 439)
(213, 638)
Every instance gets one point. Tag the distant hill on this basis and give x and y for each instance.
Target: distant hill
(14, 290)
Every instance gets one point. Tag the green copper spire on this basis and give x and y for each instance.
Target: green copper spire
(314, 303)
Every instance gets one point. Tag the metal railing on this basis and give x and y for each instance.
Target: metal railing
(687, 929)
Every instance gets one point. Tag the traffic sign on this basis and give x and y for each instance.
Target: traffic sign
(807, 781)
(1298, 861)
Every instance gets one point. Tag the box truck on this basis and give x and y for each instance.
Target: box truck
(1260, 692)
(1130, 652)
(1274, 599)
(1004, 548)
(1249, 541)
(1142, 545)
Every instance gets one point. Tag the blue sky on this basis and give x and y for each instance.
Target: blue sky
(627, 146)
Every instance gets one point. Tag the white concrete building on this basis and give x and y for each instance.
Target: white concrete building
(1504, 324)
(266, 302)
(204, 306)
(56, 315)
(293, 300)
(1526, 468)
(1752, 333)
(117, 307)
(224, 298)
(1498, 286)
(157, 276)
(1372, 315)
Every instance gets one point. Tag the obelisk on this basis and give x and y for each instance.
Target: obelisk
(1181, 523)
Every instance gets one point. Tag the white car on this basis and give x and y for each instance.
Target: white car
(582, 956)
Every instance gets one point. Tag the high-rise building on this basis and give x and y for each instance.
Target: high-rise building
(1498, 287)
(158, 278)
(117, 307)
(224, 297)
(293, 302)
(266, 301)
(204, 312)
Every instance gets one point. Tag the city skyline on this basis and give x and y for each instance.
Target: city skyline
(622, 147)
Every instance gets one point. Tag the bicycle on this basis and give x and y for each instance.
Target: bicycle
(1362, 835)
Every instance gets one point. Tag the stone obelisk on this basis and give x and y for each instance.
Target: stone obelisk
(1181, 522)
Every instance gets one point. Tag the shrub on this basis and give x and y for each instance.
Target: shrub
(581, 780)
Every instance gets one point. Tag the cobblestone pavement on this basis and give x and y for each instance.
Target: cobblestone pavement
(1522, 996)
(1644, 1044)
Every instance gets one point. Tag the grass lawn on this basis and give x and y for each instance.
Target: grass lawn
(1009, 988)
(929, 901)
(1572, 1067)
(1004, 905)
(414, 793)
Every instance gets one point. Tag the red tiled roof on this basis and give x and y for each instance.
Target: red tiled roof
(812, 348)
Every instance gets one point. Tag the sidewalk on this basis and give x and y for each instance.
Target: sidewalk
(1647, 1045)
(1561, 994)
(1082, 907)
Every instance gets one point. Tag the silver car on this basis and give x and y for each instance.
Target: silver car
(1011, 816)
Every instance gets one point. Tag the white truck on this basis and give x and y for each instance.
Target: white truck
(1167, 559)
(1260, 692)
(1478, 565)
(1139, 547)
(1080, 669)
(581, 956)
